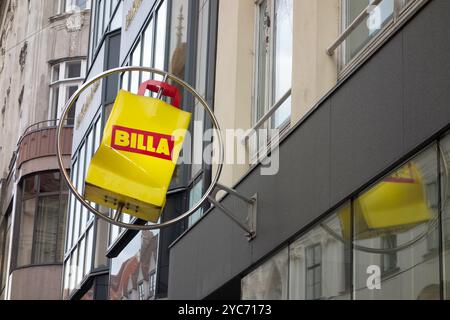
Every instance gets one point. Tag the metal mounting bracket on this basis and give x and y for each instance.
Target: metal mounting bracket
(249, 226)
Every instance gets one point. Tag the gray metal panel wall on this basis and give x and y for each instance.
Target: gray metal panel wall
(393, 103)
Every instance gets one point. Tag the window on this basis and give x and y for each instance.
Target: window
(194, 196)
(141, 291)
(389, 259)
(392, 227)
(67, 76)
(105, 17)
(273, 66)
(319, 261)
(445, 207)
(379, 18)
(392, 221)
(314, 272)
(269, 281)
(152, 285)
(42, 222)
(80, 240)
(5, 241)
(135, 268)
(73, 70)
(68, 6)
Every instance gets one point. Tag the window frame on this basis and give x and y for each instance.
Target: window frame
(403, 10)
(61, 193)
(62, 84)
(270, 69)
(313, 268)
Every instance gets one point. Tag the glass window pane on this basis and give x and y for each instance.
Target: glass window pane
(71, 214)
(29, 186)
(73, 69)
(80, 183)
(98, 134)
(269, 281)
(49, 182)
(160, 46)
(66, 286)
(197, 143)
(73, 270)
(379, 16)
(46, 234)
(319, 261)
(147, 59)
(6, 252)
(89, 247)
(445, 204)
(61, 228)
(55, 102)
(116, 22)
(178, 39)
(80, 264)
(26, 232)
(55, 73)
(282, 60)
(76, 224)
(263, 52)
(135, 61)
(125, 80)
(101, 243)
(135, 264)
(100, 11)
(194, 196)
(396, 217)
(107, 14)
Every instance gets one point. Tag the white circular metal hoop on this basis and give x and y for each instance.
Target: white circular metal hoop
(71, 103)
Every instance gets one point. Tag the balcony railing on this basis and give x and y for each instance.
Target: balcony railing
(400, 11)
(35, 127)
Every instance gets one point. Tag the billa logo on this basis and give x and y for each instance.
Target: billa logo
(143, 142)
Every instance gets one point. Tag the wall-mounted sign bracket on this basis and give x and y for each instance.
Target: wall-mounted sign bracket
(249, 226)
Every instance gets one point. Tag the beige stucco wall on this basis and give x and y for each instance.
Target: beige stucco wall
(36, 283)
(316, 26)
(27, 66)
(234, 73)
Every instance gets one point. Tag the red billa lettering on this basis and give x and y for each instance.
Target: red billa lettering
(143, 142)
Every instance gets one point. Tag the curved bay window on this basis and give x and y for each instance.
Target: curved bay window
(41, 220)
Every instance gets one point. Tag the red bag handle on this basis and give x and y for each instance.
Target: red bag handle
(167, 90)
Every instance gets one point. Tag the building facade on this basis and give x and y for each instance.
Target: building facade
(354, 207)
(43, 46)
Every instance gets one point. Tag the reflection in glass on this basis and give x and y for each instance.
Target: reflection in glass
(262, 58)
(133, 266)
(394, 225)
(49, 182)
(160, 43)
(26, 232)
(282, 78)
(319, 262)
(269, 281)
(445, 204)
(194, 196)
(379, 16)
(135, 61)
(29, 186)
(47, 230)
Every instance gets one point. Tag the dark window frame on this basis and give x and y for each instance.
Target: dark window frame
(21, 199)
(312, 268)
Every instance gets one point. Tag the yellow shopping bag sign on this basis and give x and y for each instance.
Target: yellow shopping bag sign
(396, 204)
(141, 144)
